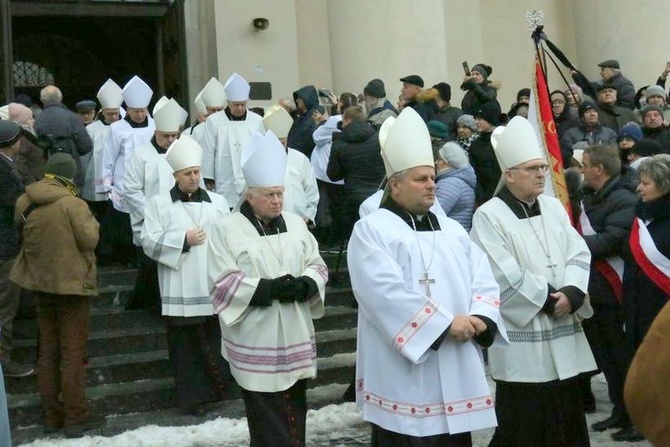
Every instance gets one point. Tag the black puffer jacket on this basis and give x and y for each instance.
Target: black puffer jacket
(487, 169)
(642, 299)
(300, 135)
(355, 158)
(11, 188)
(477, 94)
(610, 211)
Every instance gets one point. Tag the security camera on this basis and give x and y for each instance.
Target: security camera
(261, 23)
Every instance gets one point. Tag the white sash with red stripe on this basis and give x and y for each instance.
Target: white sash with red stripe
(652, 262)
(612, 267)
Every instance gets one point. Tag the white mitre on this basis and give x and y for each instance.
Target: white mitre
(200, 107)
(169, 116)
(110, 95)
(263, 161)
(278, 120)
(405, 142)
(137, 93)
(237, 88)
(213, 93)
(184, 153)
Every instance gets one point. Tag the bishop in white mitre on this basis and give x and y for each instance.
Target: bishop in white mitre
(226, 132)
(542, 266)
(428, 304)
(211, 99)
(175, 228)
(268, 285)
(301, 193)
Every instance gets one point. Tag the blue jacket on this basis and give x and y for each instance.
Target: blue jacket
(455, 191)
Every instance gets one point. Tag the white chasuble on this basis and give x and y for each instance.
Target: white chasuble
(402, 383)
(222, 150)
(269, 348)
(182, 276)
(542, 347)
(301, 194)
(120, 145)
(148, 175)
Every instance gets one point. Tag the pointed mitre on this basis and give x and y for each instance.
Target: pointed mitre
(200, 107)
(237, 88)
(160, 103)
(169, 117)
(214, 94)
(516, 143)
(278, 120)
(405, 142)
(110, 95)
(184, 153)
(136, 93)
(263, 161)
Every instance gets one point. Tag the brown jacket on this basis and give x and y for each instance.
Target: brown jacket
(648, 382)
(59, 239)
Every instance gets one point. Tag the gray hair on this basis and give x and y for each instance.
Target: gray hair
(51, 94)
(398, 176)
(657, 169)
(453, 154)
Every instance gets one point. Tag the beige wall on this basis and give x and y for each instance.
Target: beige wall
(342, 44)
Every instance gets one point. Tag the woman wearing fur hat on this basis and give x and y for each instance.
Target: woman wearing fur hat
(478, 88)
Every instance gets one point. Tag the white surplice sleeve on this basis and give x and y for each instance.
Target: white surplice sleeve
(133, 190)
(409, 321)
(311, 189)
(160, 244)
(110, 152)
(523, 293)
(208, 144)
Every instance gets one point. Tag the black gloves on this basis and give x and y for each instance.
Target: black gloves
(285, 289)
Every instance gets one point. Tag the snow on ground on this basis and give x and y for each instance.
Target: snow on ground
(331, 426)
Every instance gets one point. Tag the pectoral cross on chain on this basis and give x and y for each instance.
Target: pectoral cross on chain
(426, 282)
(552, 266)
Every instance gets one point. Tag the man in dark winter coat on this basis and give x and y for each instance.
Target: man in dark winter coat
(609, 207)
(482, 157)
(11, 188)
(612, 115)
(653, 127)
(300, 136)
(589, 130)
(59, 122)
(611, 75)
(355, 157)
(412, 85)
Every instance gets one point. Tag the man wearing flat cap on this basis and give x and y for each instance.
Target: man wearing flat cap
(412, 85)
(610, 72)
(11, 188)
(86, 111)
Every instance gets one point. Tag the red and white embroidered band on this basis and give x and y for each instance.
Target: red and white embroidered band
(652, 262)
(612, 267)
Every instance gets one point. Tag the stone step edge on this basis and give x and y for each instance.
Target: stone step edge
(115, 389)
(233, 409)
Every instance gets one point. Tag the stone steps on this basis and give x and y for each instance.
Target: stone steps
(129, 376)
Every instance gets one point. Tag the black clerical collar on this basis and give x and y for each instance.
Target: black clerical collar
(422, 224)
(235, 118)
(159, 149)
(521, 209)
(276, 225)
(135, 125)
(176, 194)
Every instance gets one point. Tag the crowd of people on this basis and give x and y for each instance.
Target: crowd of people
(452, 249)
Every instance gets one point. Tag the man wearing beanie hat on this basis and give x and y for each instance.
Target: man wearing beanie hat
(414, 322)
(655, 95)
(654, 127)
(11, 188)
(542, 266)
(57, 122)
(224, 135)
(589, 130)
(611, 75)
(481, 153)
(478, 89)
(611, 115)
(269, 284)
(376, 104)
(57, 263)
(174, 234)
(125, 136)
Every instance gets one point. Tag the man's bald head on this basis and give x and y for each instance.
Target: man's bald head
(50, 94)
